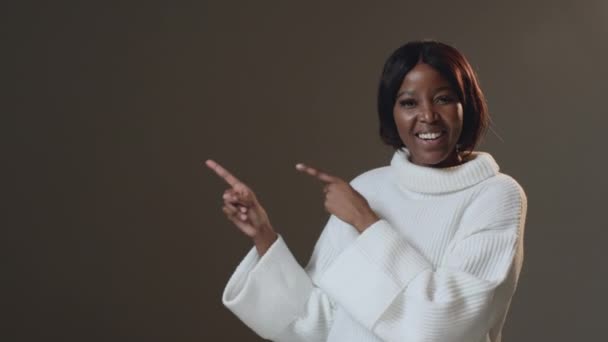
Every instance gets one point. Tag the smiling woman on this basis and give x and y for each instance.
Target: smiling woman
(428, 248)
(429, 100)
(428, 116)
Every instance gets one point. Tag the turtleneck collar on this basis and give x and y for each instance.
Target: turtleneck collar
(423, 179)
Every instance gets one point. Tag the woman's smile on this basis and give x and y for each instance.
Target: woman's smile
(431, 139)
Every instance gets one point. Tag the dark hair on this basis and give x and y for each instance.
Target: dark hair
(452, 65)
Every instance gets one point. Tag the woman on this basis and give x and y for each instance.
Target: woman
(428, 248)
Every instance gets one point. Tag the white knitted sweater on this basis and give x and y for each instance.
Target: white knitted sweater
(441, 264)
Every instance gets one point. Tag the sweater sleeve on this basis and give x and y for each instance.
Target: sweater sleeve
(395, 292)
(277, 298)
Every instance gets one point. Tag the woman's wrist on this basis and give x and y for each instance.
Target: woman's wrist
(366, 220)
(264, 240)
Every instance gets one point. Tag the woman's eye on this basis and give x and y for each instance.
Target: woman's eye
(407, 103)
(445, 99)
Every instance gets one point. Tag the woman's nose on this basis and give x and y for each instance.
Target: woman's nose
(428, 114)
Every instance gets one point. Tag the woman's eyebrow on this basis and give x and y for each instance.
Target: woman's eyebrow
(408, 92)
(411, 92)
(443, 88)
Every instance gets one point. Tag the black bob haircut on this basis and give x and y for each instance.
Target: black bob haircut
(452, 65)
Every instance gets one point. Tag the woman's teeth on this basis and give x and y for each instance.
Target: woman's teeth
(429, 136)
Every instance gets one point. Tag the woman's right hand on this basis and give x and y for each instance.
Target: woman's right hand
(242, 208)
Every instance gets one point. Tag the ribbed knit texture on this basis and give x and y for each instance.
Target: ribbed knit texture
(441, 264)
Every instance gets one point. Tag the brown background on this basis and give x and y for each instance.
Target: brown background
(113, 232)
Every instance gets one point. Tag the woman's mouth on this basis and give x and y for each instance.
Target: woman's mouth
(431, 138)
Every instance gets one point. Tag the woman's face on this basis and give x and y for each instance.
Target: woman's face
(428, 115)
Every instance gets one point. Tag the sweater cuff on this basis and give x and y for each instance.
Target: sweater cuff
(268, 293)
(372, 271)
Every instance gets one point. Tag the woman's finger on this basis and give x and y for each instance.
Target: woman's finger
(235, 206)
(232, 196)
(237, 210)
(317, 173)
(241, 194)
(230, 208)
(229, 195)
(223, 173)
(244, 194)
(232, 212)
(228, 213)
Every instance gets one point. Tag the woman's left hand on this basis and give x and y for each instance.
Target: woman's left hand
(342, 200)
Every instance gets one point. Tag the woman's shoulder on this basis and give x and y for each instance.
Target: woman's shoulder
(502, 184)
(498, 181)
(498, 196)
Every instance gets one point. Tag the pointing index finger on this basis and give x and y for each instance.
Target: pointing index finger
(220, 171)
(324, 176)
